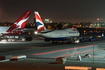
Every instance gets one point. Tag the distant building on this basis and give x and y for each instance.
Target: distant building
(47, 21)
(98, 22)
(102, 24)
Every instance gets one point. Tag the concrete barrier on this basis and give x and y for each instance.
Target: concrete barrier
(61, 60)
(19, 57)
(77, 68)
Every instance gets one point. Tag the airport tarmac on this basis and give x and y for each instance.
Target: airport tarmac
(51, 64)
(42, 55)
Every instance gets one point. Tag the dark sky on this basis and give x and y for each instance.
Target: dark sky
(56, 10)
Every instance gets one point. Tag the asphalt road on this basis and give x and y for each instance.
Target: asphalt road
(41, 49)
(42, 55)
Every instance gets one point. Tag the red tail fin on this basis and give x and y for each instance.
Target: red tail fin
(19, 24)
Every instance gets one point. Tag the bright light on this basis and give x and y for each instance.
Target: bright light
(3, 40)
(19, 33)
(29, 33)
(35, 32)
(98, 36)
(77, 41)
(97, 18)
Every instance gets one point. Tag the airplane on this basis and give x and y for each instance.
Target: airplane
(17, 27)
(56, 36)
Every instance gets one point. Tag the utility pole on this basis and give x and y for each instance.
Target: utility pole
(93, 52)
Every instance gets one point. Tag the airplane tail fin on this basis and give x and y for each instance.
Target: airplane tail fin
(19, 24)
(39, 22)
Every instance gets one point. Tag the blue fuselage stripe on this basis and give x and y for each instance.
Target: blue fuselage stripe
(63, 38)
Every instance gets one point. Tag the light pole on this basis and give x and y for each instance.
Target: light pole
(92, 39)
(93, 52)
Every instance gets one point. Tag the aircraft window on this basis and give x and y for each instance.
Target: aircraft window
(91, 31)
(96, 31)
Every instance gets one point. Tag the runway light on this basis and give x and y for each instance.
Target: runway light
(62, 50)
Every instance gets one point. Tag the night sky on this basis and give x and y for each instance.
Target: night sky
(74, 11)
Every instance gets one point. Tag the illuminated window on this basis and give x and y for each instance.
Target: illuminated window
(98, 32)
(31, 24)
(5, 24)
(29, 33)
(90, 31)
(84, 30)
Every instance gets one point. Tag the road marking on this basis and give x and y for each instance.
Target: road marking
(71, 54)
(62, 50)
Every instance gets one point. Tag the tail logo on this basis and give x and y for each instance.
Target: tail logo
(20, 23)
(38, 18)
(40, 25)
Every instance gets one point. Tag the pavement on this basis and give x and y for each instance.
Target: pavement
(70, 61)
(52, 64)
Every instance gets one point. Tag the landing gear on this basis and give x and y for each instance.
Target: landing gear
(69, 42)
(57, 42)
(29, 38)
(53, 42)
(47, 39)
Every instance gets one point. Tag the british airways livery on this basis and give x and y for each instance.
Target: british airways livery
(69, 34)
(40, 25)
